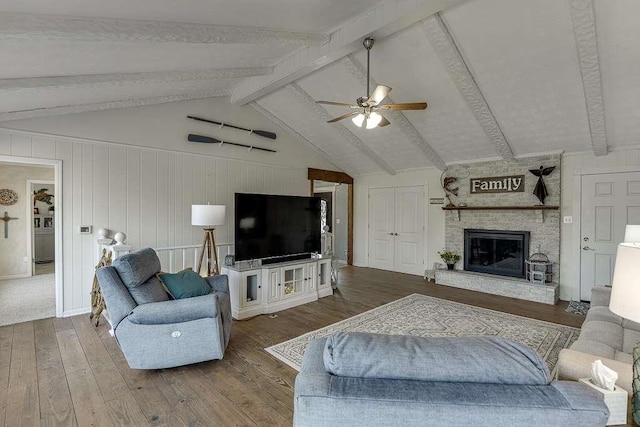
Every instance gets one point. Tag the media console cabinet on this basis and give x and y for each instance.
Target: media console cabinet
(262, 289)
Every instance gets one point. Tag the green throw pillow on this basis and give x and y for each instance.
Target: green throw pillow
(184, 284)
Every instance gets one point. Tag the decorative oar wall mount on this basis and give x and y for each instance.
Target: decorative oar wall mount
(210, 140)
(262, 133)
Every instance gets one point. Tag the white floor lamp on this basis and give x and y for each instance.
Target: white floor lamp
(208, 217)
(625, 302)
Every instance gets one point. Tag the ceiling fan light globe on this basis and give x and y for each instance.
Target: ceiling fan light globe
(373, 120)
(358, 120)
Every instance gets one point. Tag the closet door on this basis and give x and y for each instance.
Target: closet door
(409, 230)
(381, 228)
(396, 229)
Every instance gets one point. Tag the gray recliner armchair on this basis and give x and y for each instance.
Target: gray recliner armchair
(154, 331)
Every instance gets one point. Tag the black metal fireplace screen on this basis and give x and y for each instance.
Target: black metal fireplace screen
(496, 252)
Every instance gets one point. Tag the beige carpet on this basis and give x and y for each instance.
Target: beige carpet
(426, 316)
(27, 299)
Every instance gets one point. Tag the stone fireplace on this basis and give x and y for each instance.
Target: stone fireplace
(499, 252)
(495, 213)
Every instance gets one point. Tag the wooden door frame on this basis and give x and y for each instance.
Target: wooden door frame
(340, 178)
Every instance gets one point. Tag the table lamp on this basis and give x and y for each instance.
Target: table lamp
(625, 302)
(208, 216)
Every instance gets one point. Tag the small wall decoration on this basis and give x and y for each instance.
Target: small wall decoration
(42, 196)
(6, 218)
(540, 190)
(497, 184)
(447, 186)
(8, 197)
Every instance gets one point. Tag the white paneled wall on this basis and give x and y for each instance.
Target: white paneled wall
(145, 193)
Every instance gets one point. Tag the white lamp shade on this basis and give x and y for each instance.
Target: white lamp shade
(208, 215)
(625, 293)
(632, 234)
(373, 120)
(358, 120)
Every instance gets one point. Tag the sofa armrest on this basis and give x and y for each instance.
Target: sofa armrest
(219, 283)
(600, 296)
(175, 311)
(116, 296)
(573, 365)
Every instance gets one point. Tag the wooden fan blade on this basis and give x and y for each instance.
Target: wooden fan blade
(344, 116)
(378, 95)
(339, 104)
(384, 122)
(405, 106)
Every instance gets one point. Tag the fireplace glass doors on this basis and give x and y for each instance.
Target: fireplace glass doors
(496, 252)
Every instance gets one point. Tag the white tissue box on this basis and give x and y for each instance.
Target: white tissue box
(615, 400)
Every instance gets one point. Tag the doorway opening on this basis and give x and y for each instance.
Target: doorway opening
(336, 189)
(30, 268)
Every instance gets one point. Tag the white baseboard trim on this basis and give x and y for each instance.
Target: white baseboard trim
(77, 311)
(15, 276)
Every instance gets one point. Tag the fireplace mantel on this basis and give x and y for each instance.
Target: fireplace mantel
(501, 208)
(539, 208)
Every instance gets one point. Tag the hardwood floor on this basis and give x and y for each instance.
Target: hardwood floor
(66, 372)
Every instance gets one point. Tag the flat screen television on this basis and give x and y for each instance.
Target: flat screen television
(269, 226)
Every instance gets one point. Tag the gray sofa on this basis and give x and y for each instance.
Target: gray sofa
(353, 379)
(154, 331)
(603, 336)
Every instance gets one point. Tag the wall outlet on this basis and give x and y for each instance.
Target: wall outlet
(25, 259)
(86, 229)
(337, 220)
(567, 219)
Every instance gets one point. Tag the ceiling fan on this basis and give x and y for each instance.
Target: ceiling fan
(367, 114)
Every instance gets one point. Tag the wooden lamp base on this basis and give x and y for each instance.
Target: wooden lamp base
(209, 245)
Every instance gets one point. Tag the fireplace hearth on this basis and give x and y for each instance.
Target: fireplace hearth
(496, 252)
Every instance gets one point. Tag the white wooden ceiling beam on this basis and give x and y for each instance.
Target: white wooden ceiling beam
(584, 30)
(310, 104)
(380, 21)
(399, 119)
(60, 82)
(99, 106)
(29, 27)
(298, 136)
(440, 37)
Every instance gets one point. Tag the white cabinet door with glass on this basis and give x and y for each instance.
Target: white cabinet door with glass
(323, 282)
(251, 288)
(294, 280)
(245, 289)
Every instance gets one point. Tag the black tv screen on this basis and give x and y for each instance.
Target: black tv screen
(270, 225)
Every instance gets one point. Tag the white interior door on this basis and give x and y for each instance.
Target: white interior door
(396, 229)
(608, 203)
(381, 228)
(409, 230)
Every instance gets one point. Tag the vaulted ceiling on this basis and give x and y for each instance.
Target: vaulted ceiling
(502, 78)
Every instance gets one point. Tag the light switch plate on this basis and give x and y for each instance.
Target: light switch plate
(567, 219)
(86, 229)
